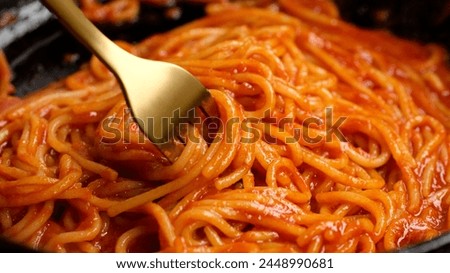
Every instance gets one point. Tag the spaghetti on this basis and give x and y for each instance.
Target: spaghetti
(333, 139)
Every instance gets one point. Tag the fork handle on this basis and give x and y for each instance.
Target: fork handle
(88, 34)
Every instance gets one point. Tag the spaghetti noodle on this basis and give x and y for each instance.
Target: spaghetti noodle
(333, 139)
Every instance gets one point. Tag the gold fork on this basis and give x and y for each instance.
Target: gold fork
(159, 94)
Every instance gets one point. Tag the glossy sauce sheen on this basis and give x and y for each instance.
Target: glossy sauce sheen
(368, 170)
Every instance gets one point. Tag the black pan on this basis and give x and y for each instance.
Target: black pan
(40, 51)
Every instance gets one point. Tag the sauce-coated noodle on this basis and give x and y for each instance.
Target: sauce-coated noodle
(333, 139)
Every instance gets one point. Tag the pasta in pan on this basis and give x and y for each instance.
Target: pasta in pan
(332, 139)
